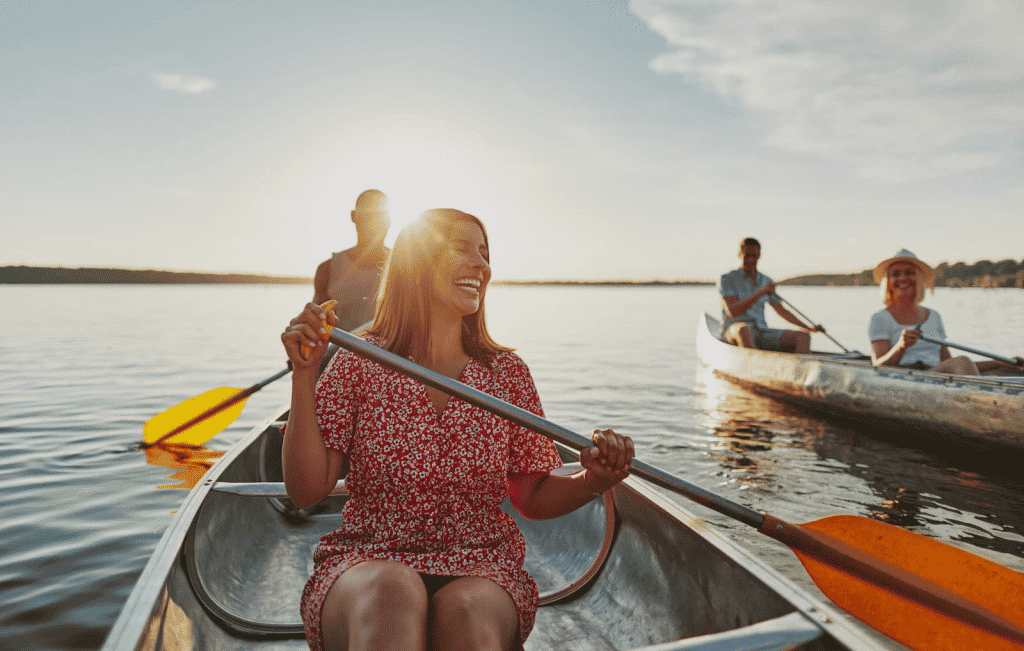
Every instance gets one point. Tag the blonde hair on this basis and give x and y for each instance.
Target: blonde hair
(402, 316)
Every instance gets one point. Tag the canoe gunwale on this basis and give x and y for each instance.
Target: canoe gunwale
(149, 595)
(785, 632)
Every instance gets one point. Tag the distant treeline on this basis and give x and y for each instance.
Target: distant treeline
(603, 283)
(983, 273)
(98, 276)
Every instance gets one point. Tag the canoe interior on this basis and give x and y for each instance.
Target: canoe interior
(236, 579)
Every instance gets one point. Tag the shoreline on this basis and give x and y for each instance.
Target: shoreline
(957, 276)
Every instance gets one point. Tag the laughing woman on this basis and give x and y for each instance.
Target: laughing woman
(425, 557)
(896, 330)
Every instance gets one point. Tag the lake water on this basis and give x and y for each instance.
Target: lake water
(82, 367)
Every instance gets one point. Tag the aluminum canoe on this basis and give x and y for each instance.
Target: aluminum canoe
(901, 401)
(631, 571)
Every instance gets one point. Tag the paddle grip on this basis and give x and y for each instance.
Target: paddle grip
(326, 306)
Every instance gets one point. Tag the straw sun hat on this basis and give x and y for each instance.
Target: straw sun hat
(903, 255)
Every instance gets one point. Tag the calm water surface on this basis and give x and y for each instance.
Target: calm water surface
(83, 367)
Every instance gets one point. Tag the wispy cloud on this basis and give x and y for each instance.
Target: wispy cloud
(182, 83)
(901, 90)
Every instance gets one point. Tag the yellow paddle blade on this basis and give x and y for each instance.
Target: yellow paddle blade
(204, 428)
(978, 581)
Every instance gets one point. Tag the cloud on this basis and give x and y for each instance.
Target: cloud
(182, 83)
(900, 89)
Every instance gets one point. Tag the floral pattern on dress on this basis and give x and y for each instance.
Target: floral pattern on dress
(426, 489)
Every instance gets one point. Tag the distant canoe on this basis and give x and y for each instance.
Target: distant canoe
(627, 572)
(989, 409)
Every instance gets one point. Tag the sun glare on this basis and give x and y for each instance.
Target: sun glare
(414, 176)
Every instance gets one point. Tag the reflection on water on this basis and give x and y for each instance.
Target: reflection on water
(190, 462)
(936, 489)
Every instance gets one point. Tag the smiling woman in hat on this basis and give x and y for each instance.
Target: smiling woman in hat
(895, 331)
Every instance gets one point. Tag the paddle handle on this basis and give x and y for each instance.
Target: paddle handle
(534, 422)
(326, 306)
(1005, 360)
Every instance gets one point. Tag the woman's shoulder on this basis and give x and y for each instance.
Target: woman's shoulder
(882, 315)
(506, 361)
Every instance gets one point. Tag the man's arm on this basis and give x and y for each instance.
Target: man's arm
(788, 316)
(734, 307)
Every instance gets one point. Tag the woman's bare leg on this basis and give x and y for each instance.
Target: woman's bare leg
(473, 613)
(375, 605)
(960, 365)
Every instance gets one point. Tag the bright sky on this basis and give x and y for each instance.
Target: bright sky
(596, 139)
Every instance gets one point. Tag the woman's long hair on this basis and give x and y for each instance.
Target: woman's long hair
(402, 316)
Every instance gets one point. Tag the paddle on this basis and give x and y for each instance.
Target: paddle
(199, 419)
(924, 593)
(815, 325)
(1006, 360)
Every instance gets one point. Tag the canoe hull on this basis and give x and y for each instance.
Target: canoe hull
(229, 572)
(909, 401)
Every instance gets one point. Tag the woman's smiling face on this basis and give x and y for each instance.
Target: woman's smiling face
(902, 278)
(462, 269)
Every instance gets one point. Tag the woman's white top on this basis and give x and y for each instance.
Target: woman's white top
(883, 326)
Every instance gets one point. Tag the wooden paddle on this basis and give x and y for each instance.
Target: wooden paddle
(1006, 360)
(199, 419)
(924, 593)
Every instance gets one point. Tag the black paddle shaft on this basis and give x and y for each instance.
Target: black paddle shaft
(533, 422)
(998, 358)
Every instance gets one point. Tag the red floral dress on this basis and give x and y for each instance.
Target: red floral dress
(425, 490)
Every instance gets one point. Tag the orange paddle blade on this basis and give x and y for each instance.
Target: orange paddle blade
(193, 409)
(916, 621)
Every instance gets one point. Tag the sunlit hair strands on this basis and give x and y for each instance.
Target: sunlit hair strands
(402, 319)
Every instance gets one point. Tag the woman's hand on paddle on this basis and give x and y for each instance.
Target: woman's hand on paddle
(908, 338)
(305, 338)
(609, 461)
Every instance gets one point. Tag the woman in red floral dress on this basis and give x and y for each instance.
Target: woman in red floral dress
(425, 557)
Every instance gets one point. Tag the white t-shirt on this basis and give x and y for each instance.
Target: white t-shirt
(883, 326)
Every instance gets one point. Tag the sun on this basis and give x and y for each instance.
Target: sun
(415, 176)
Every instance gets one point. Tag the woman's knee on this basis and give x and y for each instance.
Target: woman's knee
(382, 586)
(476, 612)
(960, 365)
(965, 365)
